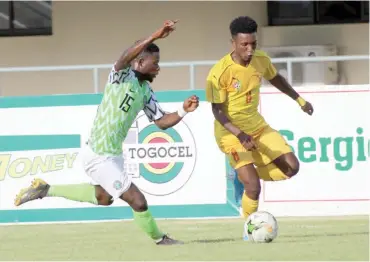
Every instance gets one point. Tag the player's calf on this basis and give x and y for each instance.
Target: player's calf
(40, 189)
(143, 218)
(249, 177)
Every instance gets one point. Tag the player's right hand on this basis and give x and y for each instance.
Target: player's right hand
(166, 29)
(246, 141)
(307, 108)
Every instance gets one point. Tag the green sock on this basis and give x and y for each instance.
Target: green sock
(79, 192)
(147, 223)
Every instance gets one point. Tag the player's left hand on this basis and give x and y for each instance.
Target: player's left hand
(167, 28)
(307, 108)
(191, 103)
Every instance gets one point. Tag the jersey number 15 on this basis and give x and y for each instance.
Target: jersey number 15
(126, 103)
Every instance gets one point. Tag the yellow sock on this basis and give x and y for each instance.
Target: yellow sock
(248, 205)
(271, 173)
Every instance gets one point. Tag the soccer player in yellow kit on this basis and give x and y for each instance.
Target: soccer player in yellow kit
(255, 150)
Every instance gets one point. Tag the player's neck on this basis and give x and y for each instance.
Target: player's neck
(238, 60)
(141, 77)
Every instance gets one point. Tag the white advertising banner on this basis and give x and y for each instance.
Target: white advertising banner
(172, 167)
(181, 170)
(333, 148)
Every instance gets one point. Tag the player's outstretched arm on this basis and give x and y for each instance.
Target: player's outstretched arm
(282, 84)
(171, 119)
(132, 52)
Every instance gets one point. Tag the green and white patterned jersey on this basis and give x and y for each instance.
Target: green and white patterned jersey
(123, 99)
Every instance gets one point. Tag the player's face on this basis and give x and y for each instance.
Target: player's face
(150, 66)
(244, 45)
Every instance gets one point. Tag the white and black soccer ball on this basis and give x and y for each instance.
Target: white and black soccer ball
(260, 227)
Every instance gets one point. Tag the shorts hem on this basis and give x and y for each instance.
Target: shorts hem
(122, 191)
(241, 164)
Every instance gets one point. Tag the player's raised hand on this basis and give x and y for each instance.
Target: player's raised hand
(191, 103)
(166, 29)
(307, 108)
(246, 141)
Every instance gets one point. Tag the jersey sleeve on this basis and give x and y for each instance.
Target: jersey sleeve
(118, 77)
(215, 92)
(270, 71)
(152, 109)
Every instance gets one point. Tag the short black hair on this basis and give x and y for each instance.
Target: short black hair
(152, 48)
(243, 25)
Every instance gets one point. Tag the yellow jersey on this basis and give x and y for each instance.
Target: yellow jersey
(237, 88)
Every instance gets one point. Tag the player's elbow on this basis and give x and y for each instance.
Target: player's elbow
(161, 125)
(218, 114)
(216, 109)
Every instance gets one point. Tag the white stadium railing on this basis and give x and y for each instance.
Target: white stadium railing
(190, 64)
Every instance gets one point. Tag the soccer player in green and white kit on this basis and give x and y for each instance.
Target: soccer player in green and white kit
(127, 92)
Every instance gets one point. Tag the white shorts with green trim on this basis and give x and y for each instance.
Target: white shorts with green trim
(106, 171)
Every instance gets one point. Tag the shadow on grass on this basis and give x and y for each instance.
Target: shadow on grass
(323, 234)
(218, 240)
(282, 238)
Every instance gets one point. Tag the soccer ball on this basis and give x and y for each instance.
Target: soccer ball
(260, 227)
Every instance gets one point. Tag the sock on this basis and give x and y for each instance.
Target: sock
(249, 205)
(238, 190)
(147, 223)
(79, 192)
(271, 172)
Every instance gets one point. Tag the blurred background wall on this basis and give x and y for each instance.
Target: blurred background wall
(97, 33)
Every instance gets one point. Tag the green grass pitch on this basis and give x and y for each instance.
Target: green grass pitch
(299, 239)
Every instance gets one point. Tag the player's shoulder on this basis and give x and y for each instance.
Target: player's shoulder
(120, 76)
(125, 70)
(150, 95)
(149, 89)
(221, 66)
(261, 55)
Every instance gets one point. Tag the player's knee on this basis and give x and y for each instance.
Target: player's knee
(135, 199)
(161, 126)
(288, 164)
(103, 198)
(293, 167)
(140, 205)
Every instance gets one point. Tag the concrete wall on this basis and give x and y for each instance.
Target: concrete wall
(97, 33)
(350, 39)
